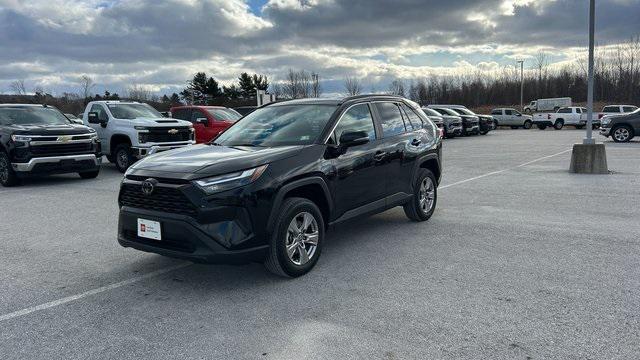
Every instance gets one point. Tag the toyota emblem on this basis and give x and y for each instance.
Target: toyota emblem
(148, 186)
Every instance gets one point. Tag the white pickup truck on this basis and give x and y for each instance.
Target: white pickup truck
(131, 130)
(572, 115)
(615, 110)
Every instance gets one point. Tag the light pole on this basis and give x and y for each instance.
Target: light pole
(592, 21)
(521, 62)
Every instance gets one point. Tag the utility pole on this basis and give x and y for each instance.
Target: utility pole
(592, 21)
(521, 62)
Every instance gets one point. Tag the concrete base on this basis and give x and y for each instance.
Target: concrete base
(589, 159)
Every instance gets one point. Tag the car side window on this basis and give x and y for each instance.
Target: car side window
(628, 109)
(99, 109)
(413, 119)
(390, 119)
(611, 109)
(197, 114)
(357, 118)
(564, 111)
(496, 112)
(508, 112)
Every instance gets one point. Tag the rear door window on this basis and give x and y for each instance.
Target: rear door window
(629, 109)
(413, 119)
(390, 119)
(611, 109)
(496, 112)
(508, 112)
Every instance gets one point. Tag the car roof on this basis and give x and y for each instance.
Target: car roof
(23, 105)
(199, 107)
(339, 100)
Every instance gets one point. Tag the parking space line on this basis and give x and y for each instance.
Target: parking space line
(152, 274)
(502, 171)
(71, 298)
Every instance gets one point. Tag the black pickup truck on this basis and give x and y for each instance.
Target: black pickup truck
(40, 140)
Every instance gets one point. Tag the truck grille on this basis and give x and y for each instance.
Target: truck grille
(168, 134)
(162, 199)
(62, 149)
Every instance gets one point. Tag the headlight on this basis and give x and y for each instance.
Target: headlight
(21, 138)
(226, 182)
(144, 128)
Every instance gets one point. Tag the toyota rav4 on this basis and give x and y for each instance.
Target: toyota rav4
(270, 186)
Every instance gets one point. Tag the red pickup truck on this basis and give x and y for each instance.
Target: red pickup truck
(208, 121)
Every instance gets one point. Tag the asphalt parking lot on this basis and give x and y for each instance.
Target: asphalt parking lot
(520, 260)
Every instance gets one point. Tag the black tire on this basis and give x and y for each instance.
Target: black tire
(558, 125)
(527, 124)
(89, 174)
(8, 177)
(579, 127)
(542, 127)
(414, 209)
(110, 159)
(278, 260)
(495, 124)
(123, 157)
(484, 132)
(622, 133)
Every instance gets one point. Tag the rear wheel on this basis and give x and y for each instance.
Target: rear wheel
(622, 133)
(558, 125)
(527, 124)
(425, 196)
(296, 242)
(123, 157)
(7, 175)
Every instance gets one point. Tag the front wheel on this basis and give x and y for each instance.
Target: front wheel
(123, 157)
(296, 242)
(527, 124)
(558, 125)
(425, 197)
(7, 175)
(622, 133)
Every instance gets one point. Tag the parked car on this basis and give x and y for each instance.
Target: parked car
(485, 121)
(470, 124)
(573, 115)
(616, 110)
(208, 121)
(245, 110)
(40, 140)
(270, 186)
(621, 128)
(546, 105)
(511, 117)
(131, 130)
(451, 125)
(74, 119)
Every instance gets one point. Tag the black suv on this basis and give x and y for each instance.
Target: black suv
(40, 140)
(269, 187)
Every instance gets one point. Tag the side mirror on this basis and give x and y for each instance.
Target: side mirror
(353, 138)
(203, 121)
(93, 118)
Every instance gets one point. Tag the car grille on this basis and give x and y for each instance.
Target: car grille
(61, 149)
(164, 135)
(162, 199)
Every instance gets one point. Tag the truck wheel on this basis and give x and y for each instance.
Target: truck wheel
(296, 242)
(425, 197)
(621, 133)
(558, 125)
(542, 127)
(7, 175)
(89, 174)
(527, 124)
(110, 159)
(123, 157)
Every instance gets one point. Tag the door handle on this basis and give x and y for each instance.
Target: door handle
(416, 142)
(379, 156)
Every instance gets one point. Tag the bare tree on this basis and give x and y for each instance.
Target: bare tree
(18, 87)
(139, 93)
(397, 88)
(297, 85)
(86, 85)
(352, 86)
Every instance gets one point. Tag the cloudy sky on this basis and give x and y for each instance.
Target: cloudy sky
(161, 43)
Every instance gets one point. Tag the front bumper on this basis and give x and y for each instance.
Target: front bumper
(472, 129)
(142, 151)
(59, 164)
(605, 131)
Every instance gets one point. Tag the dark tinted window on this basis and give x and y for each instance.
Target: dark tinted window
(508, 112)
(390, 119)
(102, 113)
(357, 118)
(564, 111)
(611, 109)
(629, 109)
(496, 112)
(182, 114)
(414, 120)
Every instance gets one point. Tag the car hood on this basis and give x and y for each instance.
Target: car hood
(159, 122)
(66, 129)
(208, 160)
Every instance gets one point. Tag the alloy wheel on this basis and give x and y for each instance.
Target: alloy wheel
(427, 195)
(302, 238)
(621, 134)
(123, 159)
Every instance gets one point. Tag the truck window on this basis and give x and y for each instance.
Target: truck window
(565, 111)
(611, 109)
(102, 113)
(629, 109)
(496, 112)
(508, 112)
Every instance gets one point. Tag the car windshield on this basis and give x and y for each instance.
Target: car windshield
(431, 112)
(133, 111)
(444, 111)
(279, 125)
(464, 111)
(225, 114)
(32, 116)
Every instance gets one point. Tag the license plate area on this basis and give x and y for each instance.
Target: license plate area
(149, 229)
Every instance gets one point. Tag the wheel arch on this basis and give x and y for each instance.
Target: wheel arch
(430, 162)
(117, 139)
